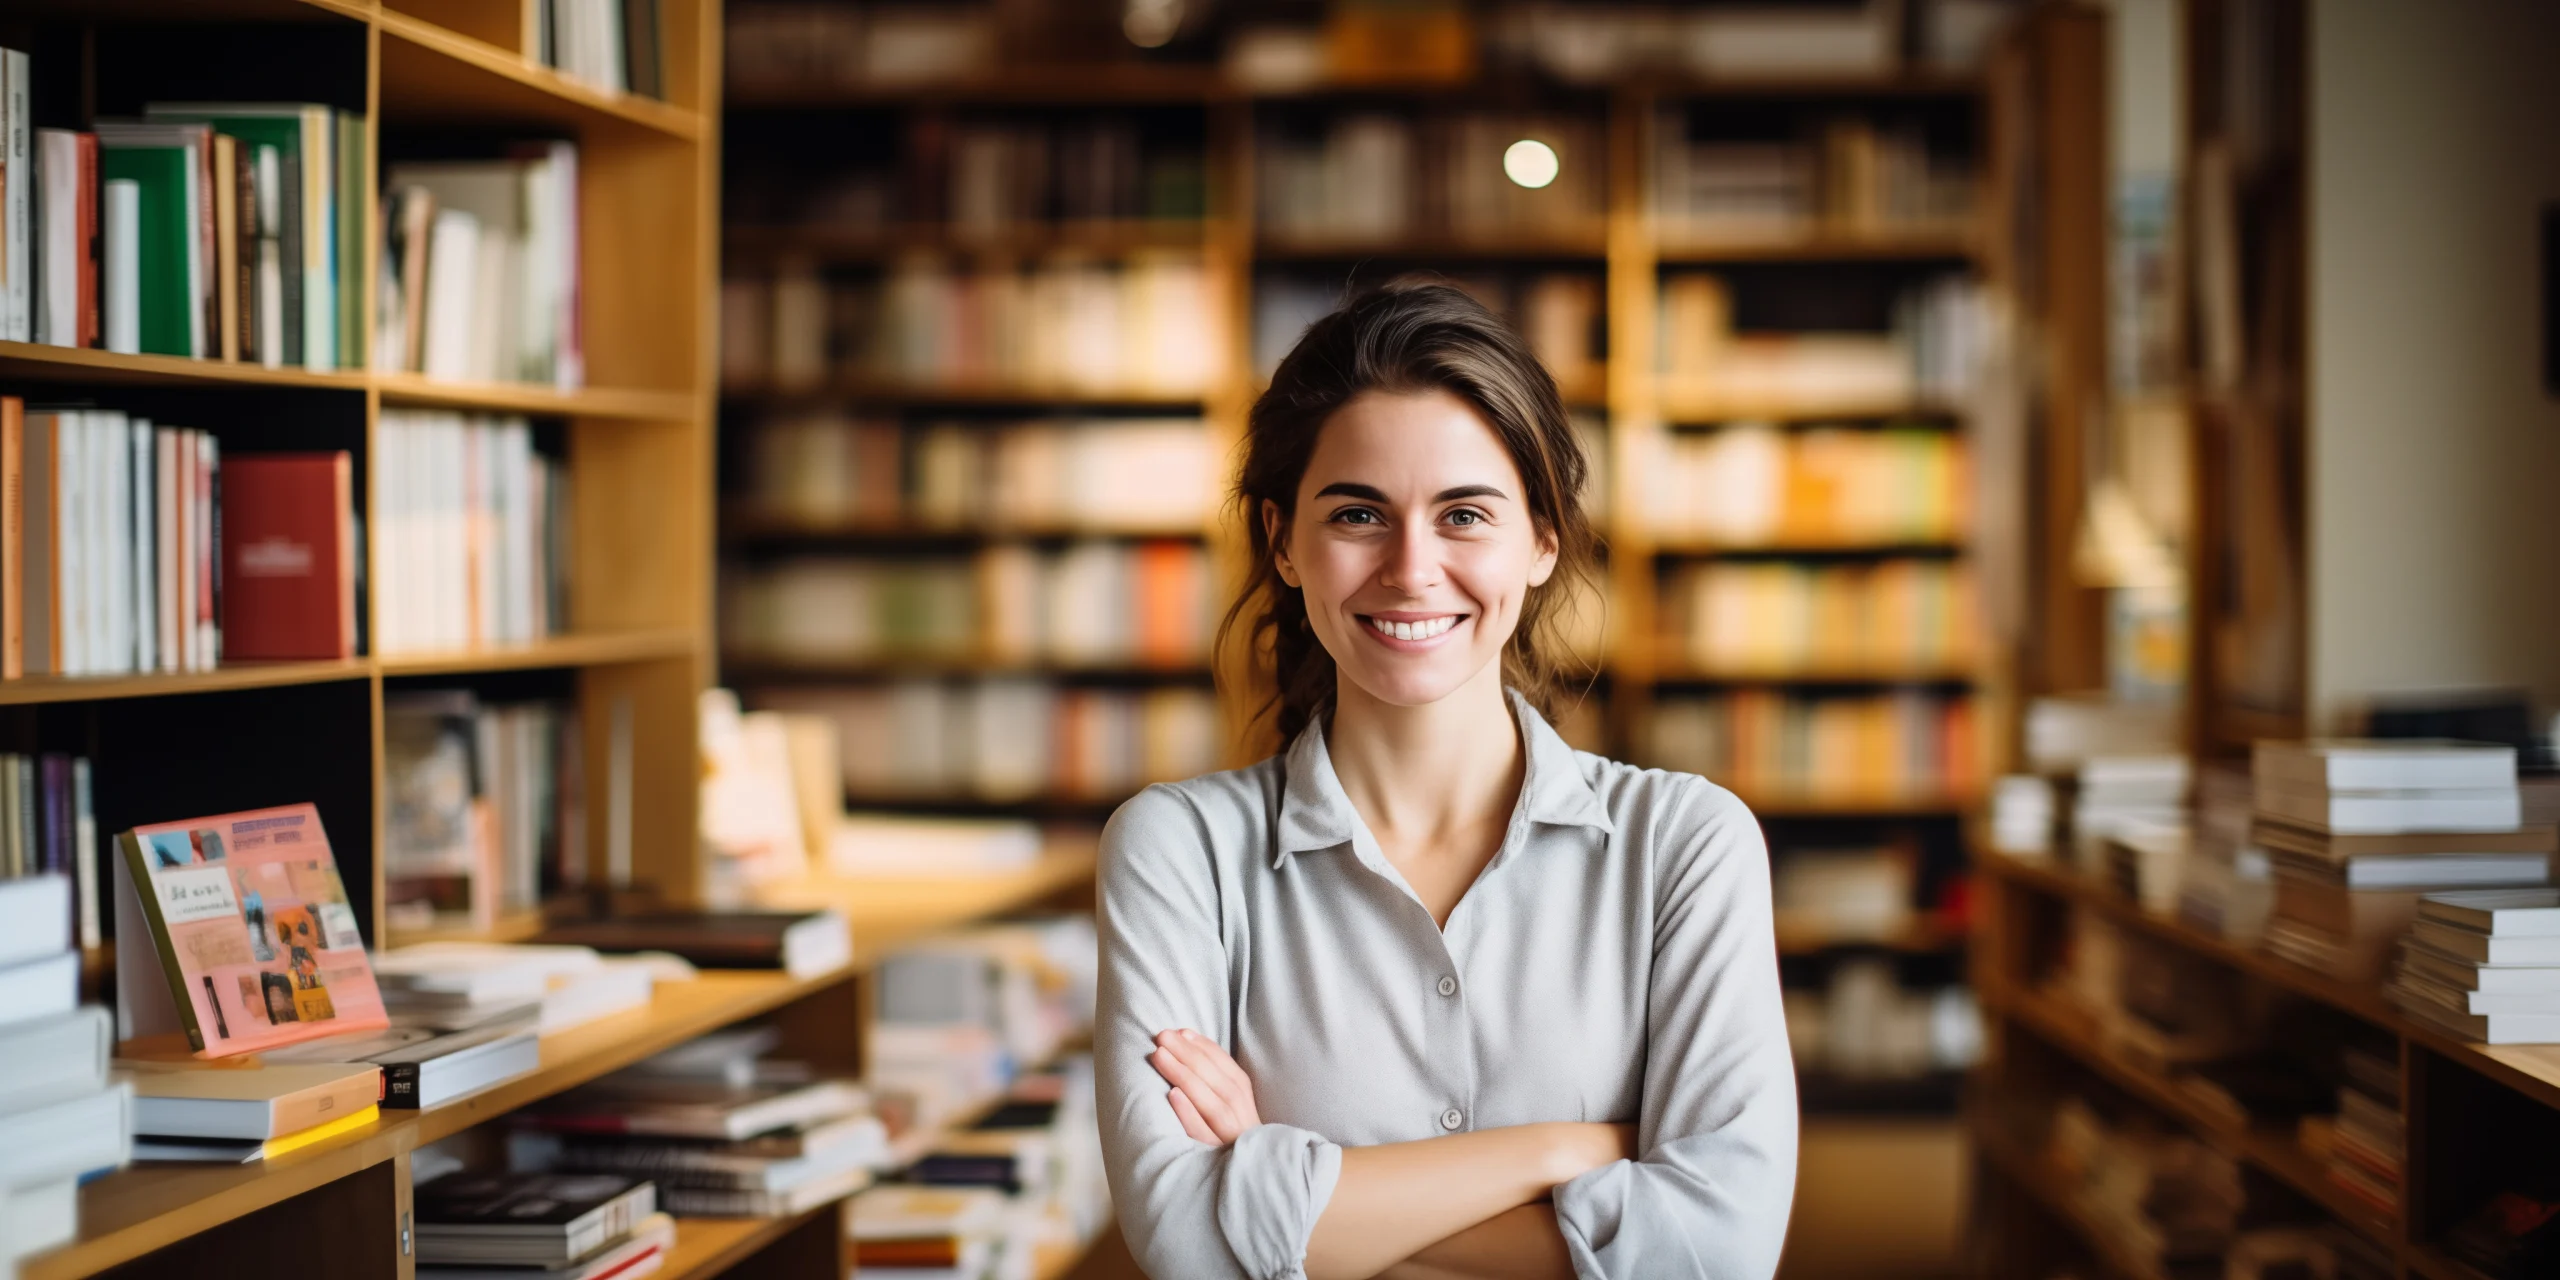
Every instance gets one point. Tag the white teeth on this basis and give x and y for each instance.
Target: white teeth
(1404, 631)
(1414, 630)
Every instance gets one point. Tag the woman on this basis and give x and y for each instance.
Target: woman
(1430, 993)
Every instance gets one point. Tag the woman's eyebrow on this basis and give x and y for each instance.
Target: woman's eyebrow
(1370, 493)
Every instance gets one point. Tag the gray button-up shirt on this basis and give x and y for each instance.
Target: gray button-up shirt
(1614, 962)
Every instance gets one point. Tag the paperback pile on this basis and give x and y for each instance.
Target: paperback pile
(723, 1130)
(2124, 795)
(540, 1226)
(60, 1118)
(1027, 1176)
(2484, 965)
(2227, 886)
(2358, 830)
(237, 1115)
(2367, 1144)
(473, 982)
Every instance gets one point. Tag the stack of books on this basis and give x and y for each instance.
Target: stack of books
(61, 1120)
(471, 533)
(1905, 746)
(187, 1111)
(1037, 1147)
(1760, 617)
(518, 1226)
(435, 1051)
(480, 268)
(2022, 816)
(910, 1232)
(2119, 796)
(2358, 830)
(1751, 486)
(2484, 965)
(1129, 475)
(2227, 887)
(571, 985)
(2368, 1142)
(724, 1131)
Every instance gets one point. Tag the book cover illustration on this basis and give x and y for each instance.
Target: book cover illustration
(253, 929)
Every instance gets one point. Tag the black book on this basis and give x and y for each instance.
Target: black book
(527, 1219)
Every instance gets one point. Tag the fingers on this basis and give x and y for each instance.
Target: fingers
(1203, 1094)
(1207, 1055)
(1216, 1087)
(1190, 1116)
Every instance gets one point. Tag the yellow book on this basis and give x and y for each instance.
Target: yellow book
(228, 1151)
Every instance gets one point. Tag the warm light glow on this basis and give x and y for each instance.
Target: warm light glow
(1530, 163)
(1151, 24)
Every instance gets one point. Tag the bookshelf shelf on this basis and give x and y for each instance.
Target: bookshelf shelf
(1919, 244)
(1106, 239)
(432, 74)
(499, 397)
(889, 911)
(1924, 937)
(588, 650)
(710, 1246)
(964, 394)
(1807, 547)
(31, 690)
(38, 362)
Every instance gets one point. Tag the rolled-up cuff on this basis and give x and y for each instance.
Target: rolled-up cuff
(1277, 1181)
(1589, 1210)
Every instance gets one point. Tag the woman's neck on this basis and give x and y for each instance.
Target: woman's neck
(1421, 775)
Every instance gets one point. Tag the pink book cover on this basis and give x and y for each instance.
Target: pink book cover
(254, 929)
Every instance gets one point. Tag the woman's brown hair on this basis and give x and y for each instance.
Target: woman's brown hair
(1403, 338)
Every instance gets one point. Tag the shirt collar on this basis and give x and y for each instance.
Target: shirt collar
(1315, 814)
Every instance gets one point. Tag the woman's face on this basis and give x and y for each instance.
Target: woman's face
(1412, 543)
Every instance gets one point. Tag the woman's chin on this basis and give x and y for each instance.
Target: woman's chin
(1415, 681)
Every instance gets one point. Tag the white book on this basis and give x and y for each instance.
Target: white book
(35, 917)
(59, 1056)
(113, 455)
(208, 624)
(42, 988)
(58, 180)
(2464, 975)
(271, 317)
(84, 844)
(164, 554)
(2390, 812)
(186, 543)
(17, 204)
(2513, 1028)
(67, 1139)
(37, 1217)
(2502, 913)
(453, 256)
(2383, 764)
(2480, 948)
(120, 264)
(72, 585)
(143, 505)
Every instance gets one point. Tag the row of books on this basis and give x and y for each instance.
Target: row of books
(1143, 326)
(1088, 604)
(615, 45)
(485, 807)
(1375, 176)
(1761, 617)
(1606, 44)
(1906, 746)
(824, 469)
(1009, 739)
(1940, 336)
(480, 277)
(989, 179)
(114, 552)
(49, 827)
(1754, 485)
(63, 1117)
(472, 532)
(226, 231)
(1850, 177)
(772, 46)
(1863, 1024)
(2484, 964)
(1558, 312)
(2365, 1143)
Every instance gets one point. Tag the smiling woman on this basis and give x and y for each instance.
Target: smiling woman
(1430, 993)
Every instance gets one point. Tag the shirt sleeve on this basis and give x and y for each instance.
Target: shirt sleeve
(1710, 1195)
(1186, 1208)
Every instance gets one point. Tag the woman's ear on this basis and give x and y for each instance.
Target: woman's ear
(1544, 567)
(1275, 529)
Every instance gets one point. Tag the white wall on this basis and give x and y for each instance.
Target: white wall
(2434, 462)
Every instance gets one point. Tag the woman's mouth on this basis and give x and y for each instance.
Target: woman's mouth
(1410, 630)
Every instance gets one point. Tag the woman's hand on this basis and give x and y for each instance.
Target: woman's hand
(1211, 1094)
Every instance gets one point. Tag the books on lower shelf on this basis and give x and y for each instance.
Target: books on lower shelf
(1754, 485)
(617, 46)
(803, 944)
(1089, 603)
(485, 806)
(2385, 786)
(1905, 746)
(433, 1053)
(1068, 324)
(528, 1219)
(113, 561)
(825, 470)
(1008, 739)
(636, 1253)
(571, 985)
(2484, 965)
(62, 1118)
(236, 930)
(1780, 618)
(480, 275)
(471, 532)
(49, 847)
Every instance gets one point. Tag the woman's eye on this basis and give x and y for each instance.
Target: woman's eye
(1466, 516)
(1355, 515)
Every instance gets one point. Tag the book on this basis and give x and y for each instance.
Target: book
(18, 300)
(2465, 975)
(310, 248)
(2414, 983)
(32, 989)
(256, 943)
(256, 1103)
(195, 1150)
(13, 538)
(638, 1254)
(53, 1057)
(897, 1212)
(2418, 871)
(68, 225)
(35, 917)
(169, 165)
(2481, 948)
(69, 1138)
(426, 1063)
(800, 943)
(2382, 764)
(120, 261)
(38, 1217)
(2333, 846)
(526, 1219)
(2502, 913)
(2485, 1028)
(776, 1161)
(2386, 812)
(695, 1109)
(288, 556)
(709, 1202)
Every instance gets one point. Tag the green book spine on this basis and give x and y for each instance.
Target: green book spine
(167, 242)
(137, 863)
(351, 187)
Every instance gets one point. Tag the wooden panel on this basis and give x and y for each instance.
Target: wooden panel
(640, 538)
(643, 260)
(127, 1215)
(498, 23)
(657, 702)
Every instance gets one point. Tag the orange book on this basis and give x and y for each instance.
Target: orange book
(288, 556)
(13, 538)
(1169, 603)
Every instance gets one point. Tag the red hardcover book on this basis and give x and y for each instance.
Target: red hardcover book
(88, 249)
(288, 556)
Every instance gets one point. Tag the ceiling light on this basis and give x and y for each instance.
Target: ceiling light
(1531, 163)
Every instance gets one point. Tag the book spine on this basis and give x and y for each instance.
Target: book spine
(137, 863)
(121, 275)
(17, 322)
(400, 1086)
(13, 538)
(84, 857)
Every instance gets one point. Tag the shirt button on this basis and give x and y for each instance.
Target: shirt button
(1448, 985)
(1451, 1119)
